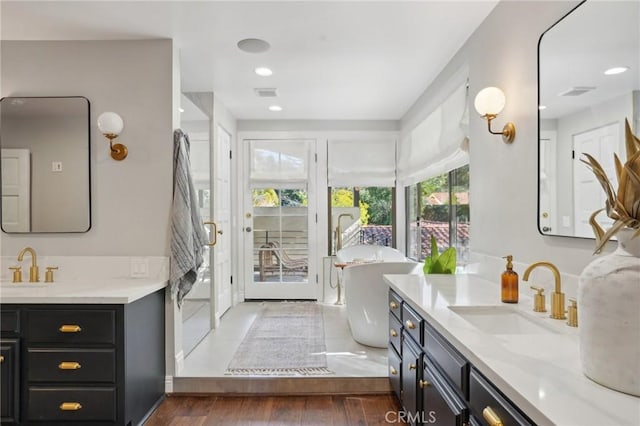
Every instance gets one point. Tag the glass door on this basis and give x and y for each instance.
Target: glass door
(280, 220)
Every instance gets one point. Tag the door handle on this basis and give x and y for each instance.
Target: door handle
(214, 233)
(248, 229)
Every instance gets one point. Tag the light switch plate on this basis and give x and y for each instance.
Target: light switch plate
(56, 166)
(139, 267)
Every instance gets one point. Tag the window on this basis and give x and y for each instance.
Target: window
(439, 206)
(361, 215)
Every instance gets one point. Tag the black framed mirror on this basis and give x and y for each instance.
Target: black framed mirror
(46, 176)
(588, 83)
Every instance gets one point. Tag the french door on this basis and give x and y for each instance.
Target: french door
(279, 223)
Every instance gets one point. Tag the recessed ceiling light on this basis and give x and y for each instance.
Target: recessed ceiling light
(263, 71)
(615, 70)
(275, 108)
(253, 45)
(541, 107)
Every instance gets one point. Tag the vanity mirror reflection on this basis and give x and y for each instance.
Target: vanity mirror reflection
(45, 158)
(588, 82)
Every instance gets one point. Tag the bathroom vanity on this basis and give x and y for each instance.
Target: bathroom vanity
(82, 353)
(458, 356)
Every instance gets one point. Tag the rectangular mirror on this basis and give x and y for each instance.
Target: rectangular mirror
(45, 164)
(583, 102)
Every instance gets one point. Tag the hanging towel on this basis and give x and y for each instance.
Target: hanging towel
(188, 236)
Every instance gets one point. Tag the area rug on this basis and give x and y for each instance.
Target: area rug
(285, 339)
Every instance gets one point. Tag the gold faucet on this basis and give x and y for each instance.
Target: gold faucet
(339, 230)
(34, 274)
(557, 297)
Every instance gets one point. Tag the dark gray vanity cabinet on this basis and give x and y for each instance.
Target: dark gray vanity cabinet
(437, 385)
(9, 380)
(89, 364)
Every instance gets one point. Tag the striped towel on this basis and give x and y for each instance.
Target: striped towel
(188, 236)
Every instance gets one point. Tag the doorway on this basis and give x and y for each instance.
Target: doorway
(280, 220)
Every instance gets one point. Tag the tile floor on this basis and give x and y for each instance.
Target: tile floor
(345, 357)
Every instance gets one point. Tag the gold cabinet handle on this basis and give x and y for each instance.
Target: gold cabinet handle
(393, 305)
(412, 367)
(214, 234)
(393, 333)
(70, 328)
(69, 365)
(424, 384)
(410, 325)
(491, 417)
(70, 406)
(393, 371)
(1, 358)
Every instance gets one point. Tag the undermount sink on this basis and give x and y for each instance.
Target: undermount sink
(9, 284)
(501, 319)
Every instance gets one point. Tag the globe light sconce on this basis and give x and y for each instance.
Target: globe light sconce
(489, 103)
(110, 125)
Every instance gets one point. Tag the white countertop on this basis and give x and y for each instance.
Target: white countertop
(93, 291)
(540, 373)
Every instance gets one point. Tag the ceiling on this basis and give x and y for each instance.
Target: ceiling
(330, 59)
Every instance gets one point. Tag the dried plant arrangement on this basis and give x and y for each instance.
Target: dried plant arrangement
(623, 205)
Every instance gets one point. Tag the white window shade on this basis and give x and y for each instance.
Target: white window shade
(279, 163)
(364, 162)
(435, 146)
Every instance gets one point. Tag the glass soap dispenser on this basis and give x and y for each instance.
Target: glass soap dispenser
(509, 283)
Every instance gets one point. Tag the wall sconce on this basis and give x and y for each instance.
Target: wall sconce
(489, 103)
(110, 125)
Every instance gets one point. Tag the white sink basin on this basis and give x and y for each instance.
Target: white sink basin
(502, 320)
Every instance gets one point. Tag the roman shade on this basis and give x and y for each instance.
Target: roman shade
(438, 144)
(361, 162)
(279, 163)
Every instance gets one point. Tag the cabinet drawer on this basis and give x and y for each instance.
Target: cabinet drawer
(395, 333)
(395, 305)
(64, 326)
(452, 364)
(9, 321)
(395, 371)
(412, 323)
(71, 365)
(440, 402)
(483, 395)
(71, 404)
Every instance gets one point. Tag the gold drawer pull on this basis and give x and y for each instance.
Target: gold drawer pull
(424, 384)
(393, 305)
(69, 365)
(410, 325)
(70, 328)
(70, 406)
(412, 367)
(491, 417)
(393, 371)
(1, 358)
(393, 333)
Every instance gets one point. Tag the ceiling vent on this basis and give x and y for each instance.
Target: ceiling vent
(577, 91)
(266, 92)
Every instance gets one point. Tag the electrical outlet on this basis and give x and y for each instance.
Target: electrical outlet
(139, 267)
(56, 166)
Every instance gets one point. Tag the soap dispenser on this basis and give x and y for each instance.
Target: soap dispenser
(509, 282)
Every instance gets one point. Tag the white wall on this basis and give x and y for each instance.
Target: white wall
(131, 199)
(503, 195)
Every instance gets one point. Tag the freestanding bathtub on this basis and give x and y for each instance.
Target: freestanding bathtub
(366, 293)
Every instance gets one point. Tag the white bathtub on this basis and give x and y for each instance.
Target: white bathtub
(366, 293)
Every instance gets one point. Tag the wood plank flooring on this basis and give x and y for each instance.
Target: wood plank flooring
(342, 410)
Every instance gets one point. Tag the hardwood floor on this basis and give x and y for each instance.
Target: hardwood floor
(361, 410)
